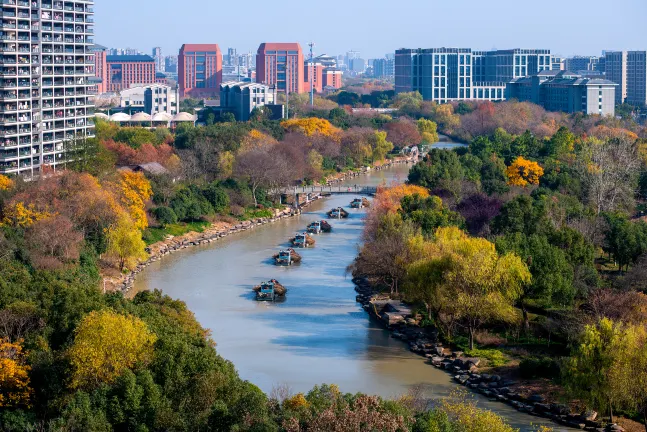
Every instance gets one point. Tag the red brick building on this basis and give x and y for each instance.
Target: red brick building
(281, 65)
(199, 70)
(100, 69)
(332, 78)
(317, 70)
(126, 70)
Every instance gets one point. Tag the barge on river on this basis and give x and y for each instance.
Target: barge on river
(270, 291)
(302, 240)
(338, 213)
(359, 203)
(287, 257)
(317, 227)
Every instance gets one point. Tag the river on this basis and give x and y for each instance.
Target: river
(319, 334)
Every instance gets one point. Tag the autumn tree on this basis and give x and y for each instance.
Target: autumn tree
(523, 172)
(105, 345)
(135, 190)
(402, 133)
(53, 242)
(5, 183)
(125, 243)
(262, 170)
(23, 216)
(428, 130)
(15, 390)
(311, 126)
(380, 146)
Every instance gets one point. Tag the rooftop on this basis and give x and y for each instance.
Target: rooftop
(129, 58)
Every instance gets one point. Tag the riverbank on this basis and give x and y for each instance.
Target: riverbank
(398, 318)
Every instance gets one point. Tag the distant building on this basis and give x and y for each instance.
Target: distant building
(582, 63)
(314, 69)
(161, 78)
(126, 70)
(637, 78)
(449, 74)
(384, 68)
(240, 98)
(159, 59)
(199, 70)
(152, 99)
(615, 63)
(170, 64)
(232, 57)
(506, 65)
(557, 63)
(100, 68)
(566, 92)
(357, 65)
(326, 60)
(280, 65)
(332, 79)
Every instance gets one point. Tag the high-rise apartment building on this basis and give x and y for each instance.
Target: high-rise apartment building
(280, 65)
(615, 65)
(44, 82)
(124, 71)
(446, 74)
(582, 63)
(159, 60)
(199, 70)
(637, 78)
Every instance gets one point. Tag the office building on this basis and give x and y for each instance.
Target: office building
(506, 65)
(637, 78)
(357, 65)
(100, 69)
(384, 68)
(446, 74)
(170, 64)
(615, 66)
(566, 92)
(232, 57)
(280, 65)
(240, 98)
(151, 99)
(44, 90)
(160, 66)
(199, 70)
(580, 64)
(313, 76)
(124, 71)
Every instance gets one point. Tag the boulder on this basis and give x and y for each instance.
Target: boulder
(589, 416)
(536, 398)
(457, 354)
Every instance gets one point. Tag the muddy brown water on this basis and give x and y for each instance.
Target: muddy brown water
(319, 334)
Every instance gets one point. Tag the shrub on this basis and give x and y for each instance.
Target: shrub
(165, 215)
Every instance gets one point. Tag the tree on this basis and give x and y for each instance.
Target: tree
(441, 169)
(609, 172)
(523, 172)
(625, 240)
(408, 102)
(135, 190)
(428, 130)
(53, 242)
(261, 169)
(165, 215)
(429, 213)
(105, 345)
(311, 126)
(5, 183)
(402, 133)
(216, 196)
(380, 145)
(125, 243)
(596, 371)
(15, 390)
(22, 216)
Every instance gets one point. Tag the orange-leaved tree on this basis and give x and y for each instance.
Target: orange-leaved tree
(23, 216)
(14, 376)
(135, 190)
(523, 172)
(5, 183)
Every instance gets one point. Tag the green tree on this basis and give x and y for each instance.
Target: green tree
(428, 130)
(429, 213)
(165, 215)
(380, 145)
(440, 169)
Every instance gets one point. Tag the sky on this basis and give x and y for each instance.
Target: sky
(375, 27)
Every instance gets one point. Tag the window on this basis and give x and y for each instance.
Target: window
(282, 59)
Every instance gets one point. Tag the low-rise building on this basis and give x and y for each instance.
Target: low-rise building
(240, 98)
(151, 99)
(565, 91)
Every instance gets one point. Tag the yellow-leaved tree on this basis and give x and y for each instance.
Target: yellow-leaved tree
(428, 130)
(311, 126)
(23, 216)
(465, 278)
(523, 172)
(14, 376)
(105, 345)
(5, 183)
(135, 190)
(125, 243)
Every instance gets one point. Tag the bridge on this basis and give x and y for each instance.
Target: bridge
(331, 190)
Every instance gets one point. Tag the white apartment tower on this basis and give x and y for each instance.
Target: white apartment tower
(45, 66)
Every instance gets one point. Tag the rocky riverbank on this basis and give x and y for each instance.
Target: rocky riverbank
(398, 318)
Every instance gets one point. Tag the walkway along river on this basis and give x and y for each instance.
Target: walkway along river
(319, 334)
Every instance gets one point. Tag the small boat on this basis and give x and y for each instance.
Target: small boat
(357, 203)
(338, 213)
(315, 228)
(270, 291)
(287, 257)
(302, 240)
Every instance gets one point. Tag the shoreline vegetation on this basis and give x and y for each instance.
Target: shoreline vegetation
(554, 202)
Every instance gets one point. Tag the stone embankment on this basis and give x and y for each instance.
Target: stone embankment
(398, 319)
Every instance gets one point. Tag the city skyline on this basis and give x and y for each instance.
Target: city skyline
(564, 28)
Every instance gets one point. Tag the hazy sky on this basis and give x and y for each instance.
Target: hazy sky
(375, 27)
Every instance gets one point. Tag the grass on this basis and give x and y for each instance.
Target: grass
(494, 357)
(154, 235)
(255, 214)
